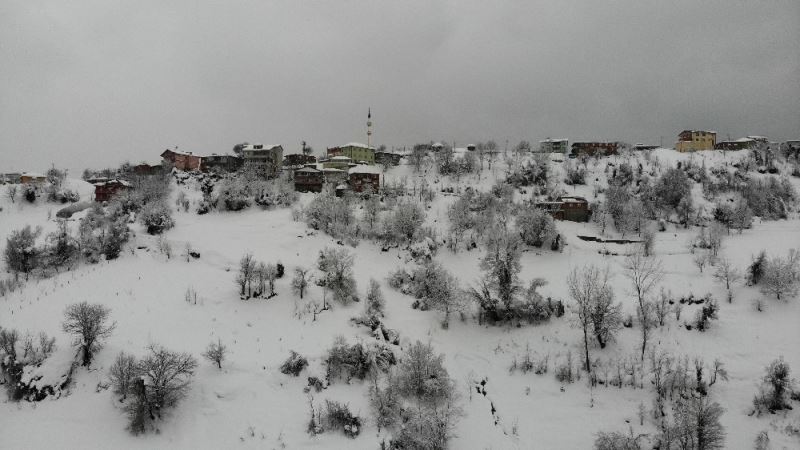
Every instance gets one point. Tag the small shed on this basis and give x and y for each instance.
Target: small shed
(32, 178)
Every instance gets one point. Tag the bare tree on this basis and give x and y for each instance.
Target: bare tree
(588, 286)
(244, 278)
(697, 424)
(88, 324)
(337, 265)
(781, 277)
(122, 374)
(11, 192)
(164, 379)
(645, 274)
(726, 272)
(216, 352)
(300, 281)
(700, 260)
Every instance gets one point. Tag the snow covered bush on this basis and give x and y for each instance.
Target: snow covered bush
(30, 192)
(88, 324)
(705, 314)
(346, 362)
(26, 368)
(536, 227)
(330, 214)
(618, 441)
(157, 218)
(294, 364)
(337, 416)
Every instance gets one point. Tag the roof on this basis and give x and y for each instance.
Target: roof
(553, 140)
(340, 158)
(32, 175)
(114, 181)
(573, 199)
(365, 169)
(178, 153)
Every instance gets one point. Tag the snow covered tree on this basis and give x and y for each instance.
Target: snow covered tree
(405, 221)
(216, 352)
(63, 249)
(374, 302)
(88, 324)
(777, 387)
(337, 267)
(300, 281)
(21, 254)
(501, 266)
(437, 287)
(644, 274)
(781, 277)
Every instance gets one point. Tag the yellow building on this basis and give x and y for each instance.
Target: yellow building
(694, 140)
(358, 153)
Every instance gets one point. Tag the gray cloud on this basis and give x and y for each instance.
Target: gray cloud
(98, 82)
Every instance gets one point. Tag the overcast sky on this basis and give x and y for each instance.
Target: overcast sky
(95, 83)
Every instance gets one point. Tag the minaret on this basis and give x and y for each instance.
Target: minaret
(369, 126)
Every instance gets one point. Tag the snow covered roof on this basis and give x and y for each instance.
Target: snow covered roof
(307, 169)
(260, 146)
(340, 158)
(32, 175)
(331, 169)
(357, 144)
(553, 140)
(114, 181)
(365, 169)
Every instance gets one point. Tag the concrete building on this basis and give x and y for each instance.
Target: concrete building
(359, 153)
(554, 145)
(308, 179)
(695, 140)
(364, 178)
(265, 160)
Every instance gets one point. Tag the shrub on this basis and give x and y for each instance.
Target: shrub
(122, 373)
(294, 364)
(21, 253)
(157, 218)
(337, 416)
(536, 227)
(706, 313)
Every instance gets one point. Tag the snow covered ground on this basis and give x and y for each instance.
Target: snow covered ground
(250, 404)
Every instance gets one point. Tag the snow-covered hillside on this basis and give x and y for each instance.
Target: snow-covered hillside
(251, 404)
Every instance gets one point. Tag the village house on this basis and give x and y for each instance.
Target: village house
(308, 179)
(387, 158)
(147, 169)
(359, 153)
(738, 144)
(571, 208)
(554, 145)
(695, 140)
(184, 161)
(221, 163)
(364, 178)
(595, 148)
(265, 160)
(32, 178)
(11, 177)
(335, 176)
(298, 160)
(105, 190)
